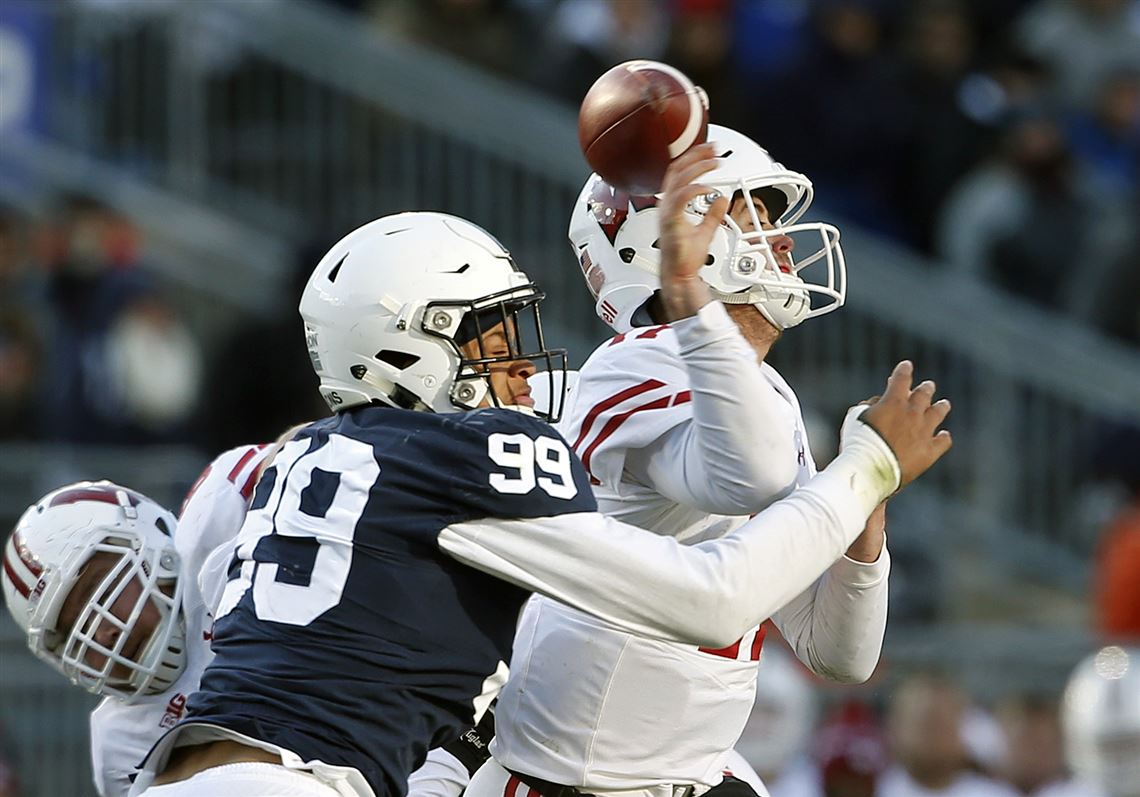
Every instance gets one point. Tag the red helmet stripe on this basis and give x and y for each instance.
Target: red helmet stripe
(14, 577)
(102, 494)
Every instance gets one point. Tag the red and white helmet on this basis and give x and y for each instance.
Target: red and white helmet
(614, 235)
(1100, 713)
(44, 560)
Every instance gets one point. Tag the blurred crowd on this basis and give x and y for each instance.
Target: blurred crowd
(928, 738)
(1001, 136)
(95, 348)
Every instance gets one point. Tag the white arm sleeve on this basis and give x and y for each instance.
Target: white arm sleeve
(442, 775)
(707, 594)
(836, 626)
(736, 455)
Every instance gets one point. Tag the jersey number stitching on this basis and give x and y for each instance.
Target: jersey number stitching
(521, 455)
(296, 544)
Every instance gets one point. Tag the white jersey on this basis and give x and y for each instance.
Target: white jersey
(683, 434)
(122, 733)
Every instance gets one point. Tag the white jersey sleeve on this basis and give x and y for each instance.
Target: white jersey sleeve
(707, 431)
(836, 626)
(215, 507)
(634, 579)
(212, 514)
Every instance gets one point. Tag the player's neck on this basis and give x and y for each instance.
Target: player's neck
(756, 329)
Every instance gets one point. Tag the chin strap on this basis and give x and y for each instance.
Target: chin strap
(783, 307)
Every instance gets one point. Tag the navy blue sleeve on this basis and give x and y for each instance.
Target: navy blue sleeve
(506, 464)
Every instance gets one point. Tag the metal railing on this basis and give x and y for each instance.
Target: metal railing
(294, 118)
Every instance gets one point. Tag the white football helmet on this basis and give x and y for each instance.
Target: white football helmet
(783, 715)
(388, 307)
(1100, 713)
(614, 235)
(45, 559)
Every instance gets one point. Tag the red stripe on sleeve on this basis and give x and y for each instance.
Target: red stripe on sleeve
(613, 401)
(512, 785)
(250, 483)
(246, 457)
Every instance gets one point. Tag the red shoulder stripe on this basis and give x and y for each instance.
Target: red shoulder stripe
(241, 463)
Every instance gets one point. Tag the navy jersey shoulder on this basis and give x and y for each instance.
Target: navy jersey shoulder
(347, 635)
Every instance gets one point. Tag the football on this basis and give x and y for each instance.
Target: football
(636, 119)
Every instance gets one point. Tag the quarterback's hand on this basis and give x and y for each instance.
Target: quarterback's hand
(908, 422)
(685, 246)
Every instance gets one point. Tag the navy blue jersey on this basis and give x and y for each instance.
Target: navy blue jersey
(345, 634)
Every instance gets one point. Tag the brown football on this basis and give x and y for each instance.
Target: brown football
(636, 119)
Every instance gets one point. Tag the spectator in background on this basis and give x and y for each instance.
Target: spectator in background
(22, 330)
(775, 739)
(1034, 763)
(944, 140)
(1116, 568)
(1106, 138)
(851, 752)
(1018, 221)
(1106, 144)
(701, 47)
(107, 321)
(1083, 40)
(587, 37)
(769, 38)
(156, 366)
(839, 114)
(20, 356)
(492, 34)
(924, 729)
(260, 381)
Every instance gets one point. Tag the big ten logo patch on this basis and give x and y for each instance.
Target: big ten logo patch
(174, 711)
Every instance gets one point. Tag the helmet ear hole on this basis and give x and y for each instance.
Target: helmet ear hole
(397, 359)
(626, 254)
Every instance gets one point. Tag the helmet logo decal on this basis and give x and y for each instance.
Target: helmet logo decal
(610, 206)
(311, 344)
(595, 277)
(336, 269)
(26, 556)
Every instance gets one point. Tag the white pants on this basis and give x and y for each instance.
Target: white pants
(491, 780)
(253, 779)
